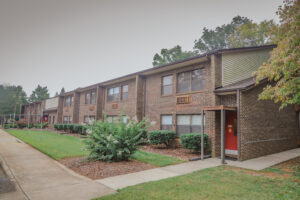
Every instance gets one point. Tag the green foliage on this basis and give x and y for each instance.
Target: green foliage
(282, 70)
(39, 94)
(7, 126)
(192, 141)
(74, 128)
(161, 137)
(38, 125)
(171, 55)
(11, 97)
(114, 141)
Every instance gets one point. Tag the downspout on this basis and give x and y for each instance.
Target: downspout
(238, 102)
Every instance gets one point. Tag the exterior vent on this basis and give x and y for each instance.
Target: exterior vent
(114, 106)
(92, 108)
(183, 100)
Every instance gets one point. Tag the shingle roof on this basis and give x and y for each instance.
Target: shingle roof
(241, 85)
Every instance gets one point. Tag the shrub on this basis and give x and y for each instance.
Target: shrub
(161, 137)
(13, 126)
(192, 141)
(7, 126)
(114, 142)
(38, 125)
(22, 123)
(55, 126)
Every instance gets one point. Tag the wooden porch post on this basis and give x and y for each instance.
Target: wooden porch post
(202, 134)
(223, 136)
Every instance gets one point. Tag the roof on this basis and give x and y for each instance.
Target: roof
(195, 59)
(240, 85)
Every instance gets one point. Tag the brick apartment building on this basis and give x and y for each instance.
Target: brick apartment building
(218, 84)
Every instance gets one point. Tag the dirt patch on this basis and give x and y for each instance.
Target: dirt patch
(181, 153)
(5, 184)
(98, 169)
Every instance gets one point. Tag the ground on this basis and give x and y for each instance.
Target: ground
(70, 151)
(224, 182)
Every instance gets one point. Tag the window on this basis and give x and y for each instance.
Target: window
(67, 120)
(53, 121)
(188, 124)
(124, 92)
(113, 119)
(167, 85)
(93, 97)
(166, 122)
(124, 119)
(89, 119)
(113, 94)
(87, 97)
(191, 81)
(68, 101)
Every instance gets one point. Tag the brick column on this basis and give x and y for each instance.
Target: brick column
(139, 108)
(60, 108)
(99, 103)
(75, 116)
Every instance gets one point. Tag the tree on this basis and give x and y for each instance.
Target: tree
(171, 55)
(283, 68)
(11, 97)
(240, 32)
(56, 94)
(62, 91)
(39, 94)
(218, 38)
(252, 34)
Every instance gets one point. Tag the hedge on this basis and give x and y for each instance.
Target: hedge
(192, 141)
(161, 137)
(74, 128)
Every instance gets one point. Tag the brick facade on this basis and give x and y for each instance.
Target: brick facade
(263, 128)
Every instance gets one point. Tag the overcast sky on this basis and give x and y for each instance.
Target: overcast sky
(74, 43)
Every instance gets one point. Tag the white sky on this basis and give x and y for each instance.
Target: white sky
(76, 43)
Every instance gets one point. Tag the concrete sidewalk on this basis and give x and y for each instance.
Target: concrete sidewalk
(122, 181)
(40, 177)
(266, 161)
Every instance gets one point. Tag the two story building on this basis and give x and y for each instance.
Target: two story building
(218, 86)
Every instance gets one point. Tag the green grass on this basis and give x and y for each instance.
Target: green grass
(156, 159)
(219, 183)
(55, 145)
(62, 146)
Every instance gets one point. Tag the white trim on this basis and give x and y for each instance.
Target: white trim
(232, 152)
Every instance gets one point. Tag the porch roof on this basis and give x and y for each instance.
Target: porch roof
(220, 107)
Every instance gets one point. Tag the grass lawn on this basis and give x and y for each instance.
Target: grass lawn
(156, 159)
(63, 146)
(55, 145)
(217, 183)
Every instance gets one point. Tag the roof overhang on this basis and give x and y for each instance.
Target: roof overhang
(216, 108)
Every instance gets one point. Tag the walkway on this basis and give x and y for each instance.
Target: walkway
(122, 181)
(38, 177)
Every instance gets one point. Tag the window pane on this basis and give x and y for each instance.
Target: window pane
(183, 82)
(167, 127)
(198, 79)
(70, 121)
(181, 129)
(183, 120)
(125, 88)
(93, 97)
(116, 90)
(109, 119)
(125, 95)
(168, 89)
(115, 119)
(87, 97)
(196, 120)
(124, 119)
(168, 80)
(166, 120)
(111, 91)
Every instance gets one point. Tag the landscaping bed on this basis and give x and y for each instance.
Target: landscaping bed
(179, 152)
(99, 169)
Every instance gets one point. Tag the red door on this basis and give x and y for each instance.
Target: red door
(231, 133)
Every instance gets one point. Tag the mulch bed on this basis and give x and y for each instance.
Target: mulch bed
(179, 152)
(99, 169)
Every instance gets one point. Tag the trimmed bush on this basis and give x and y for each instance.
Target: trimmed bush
(192, 141)
(161, 137)
(38, 125)
(13, 126)
(114, 141)
(7, 126)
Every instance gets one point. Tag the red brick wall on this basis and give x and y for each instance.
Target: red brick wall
(126, 107)
(264, 128)
(86, 109)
